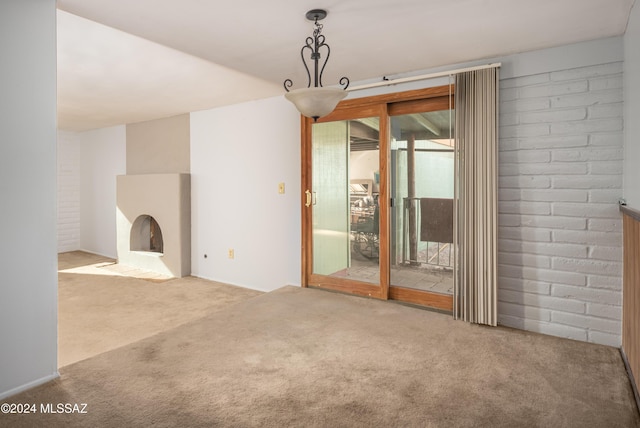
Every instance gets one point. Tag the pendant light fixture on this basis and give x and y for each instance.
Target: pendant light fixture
(317, 101)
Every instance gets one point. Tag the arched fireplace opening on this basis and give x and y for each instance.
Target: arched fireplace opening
(146, 235)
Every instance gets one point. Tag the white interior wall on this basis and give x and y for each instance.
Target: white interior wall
(68, 191)
(560, 237)
(632, 109)
(28, 306)
(560, 164)
(239, 154)
(103, 157)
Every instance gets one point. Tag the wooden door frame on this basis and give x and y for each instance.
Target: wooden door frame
(374, 106)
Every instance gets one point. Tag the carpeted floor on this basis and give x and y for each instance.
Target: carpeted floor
(310, 358)
(103, 305)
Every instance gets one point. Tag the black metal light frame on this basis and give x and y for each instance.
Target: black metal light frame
(314, 44)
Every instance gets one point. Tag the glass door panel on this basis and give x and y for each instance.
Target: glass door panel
(422, 191)
(345, 188)
(330, 198)
(364, 193)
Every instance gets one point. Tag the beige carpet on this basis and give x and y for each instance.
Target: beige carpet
(103, 305)
(309, 358)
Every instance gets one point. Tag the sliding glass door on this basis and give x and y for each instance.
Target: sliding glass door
(378, 183)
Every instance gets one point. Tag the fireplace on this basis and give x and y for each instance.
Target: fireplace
(146, 235)
(153, 222)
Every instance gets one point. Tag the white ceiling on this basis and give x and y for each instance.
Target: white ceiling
(123, 61)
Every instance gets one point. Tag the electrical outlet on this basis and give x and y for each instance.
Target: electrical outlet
(231, 253)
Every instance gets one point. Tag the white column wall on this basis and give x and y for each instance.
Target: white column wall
(28, 256)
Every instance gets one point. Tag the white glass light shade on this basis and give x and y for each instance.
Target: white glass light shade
(316, 102)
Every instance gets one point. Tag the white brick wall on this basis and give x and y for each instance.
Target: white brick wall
(68, 192)
(560, 234)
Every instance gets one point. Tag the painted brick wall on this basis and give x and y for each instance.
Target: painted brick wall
(560, 232)
(68, 192)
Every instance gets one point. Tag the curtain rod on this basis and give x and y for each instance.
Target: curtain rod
(423, 77)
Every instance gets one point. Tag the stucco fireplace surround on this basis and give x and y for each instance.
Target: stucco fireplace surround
(153, 222)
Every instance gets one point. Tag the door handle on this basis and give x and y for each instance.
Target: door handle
(308, 194)
(315, 198)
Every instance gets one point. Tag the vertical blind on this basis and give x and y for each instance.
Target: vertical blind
(476, 131)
